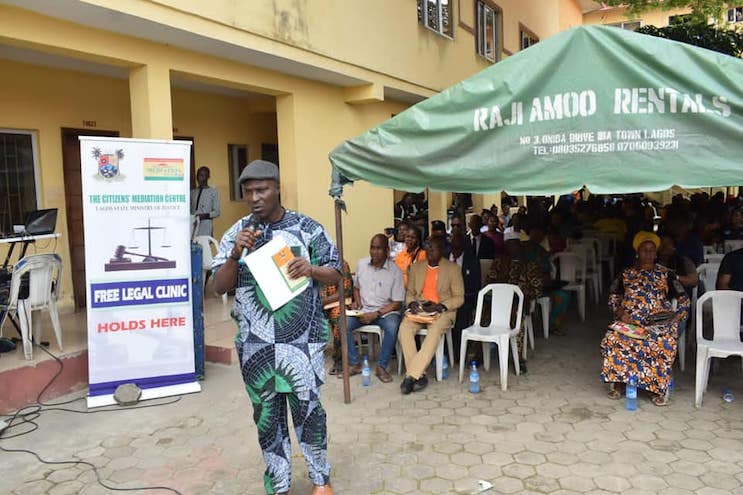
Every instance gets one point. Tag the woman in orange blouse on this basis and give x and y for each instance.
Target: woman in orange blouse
(412, 252)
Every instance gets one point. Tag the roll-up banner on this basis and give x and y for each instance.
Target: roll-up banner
(137, 264)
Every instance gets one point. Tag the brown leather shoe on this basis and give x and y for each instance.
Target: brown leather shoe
(383, 375)
(352, 370)
(322, 490)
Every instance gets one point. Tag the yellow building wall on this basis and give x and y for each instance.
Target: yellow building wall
(311, 117)
(356, 33)
(216, 121)
(45, 100)
(658, 17)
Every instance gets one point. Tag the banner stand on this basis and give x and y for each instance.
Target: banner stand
(147, 393)
(137, 225)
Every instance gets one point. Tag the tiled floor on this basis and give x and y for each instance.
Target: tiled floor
(553, 431)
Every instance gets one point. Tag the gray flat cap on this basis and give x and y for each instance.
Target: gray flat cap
(259, 170)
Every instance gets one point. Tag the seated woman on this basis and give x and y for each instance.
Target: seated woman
(641, 295)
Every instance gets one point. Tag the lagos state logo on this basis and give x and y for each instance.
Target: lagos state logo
(108, 162)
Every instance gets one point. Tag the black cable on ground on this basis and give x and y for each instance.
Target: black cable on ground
(29, 414)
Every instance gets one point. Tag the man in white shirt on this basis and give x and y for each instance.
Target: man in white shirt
(378, 293)
(204, 203)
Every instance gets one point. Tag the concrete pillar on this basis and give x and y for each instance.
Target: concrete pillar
(438, 202)
(286, 122)
(149, 96)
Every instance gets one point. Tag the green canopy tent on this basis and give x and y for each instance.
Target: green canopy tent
(597, 106)
(594, 106)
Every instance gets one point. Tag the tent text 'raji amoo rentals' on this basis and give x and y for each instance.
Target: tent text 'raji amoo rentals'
(594, 106)
(613, 110)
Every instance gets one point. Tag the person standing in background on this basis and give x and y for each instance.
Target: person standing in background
(204, 203)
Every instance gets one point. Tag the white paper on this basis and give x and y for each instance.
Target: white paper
(269, 277)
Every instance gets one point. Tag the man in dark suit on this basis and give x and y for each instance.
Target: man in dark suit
(482, 245)
(463, 255)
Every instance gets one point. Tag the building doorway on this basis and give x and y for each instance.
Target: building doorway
(74, 201)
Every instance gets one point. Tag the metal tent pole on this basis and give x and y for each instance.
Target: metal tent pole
(342, 305)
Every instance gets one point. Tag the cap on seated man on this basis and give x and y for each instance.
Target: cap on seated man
(378, 292)
(438, 285)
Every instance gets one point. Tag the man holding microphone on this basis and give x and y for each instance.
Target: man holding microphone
(281, 352)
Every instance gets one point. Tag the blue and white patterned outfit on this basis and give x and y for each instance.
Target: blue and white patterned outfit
(281, 352)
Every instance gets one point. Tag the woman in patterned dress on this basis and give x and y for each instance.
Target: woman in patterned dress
(639, 295)
(329, 295)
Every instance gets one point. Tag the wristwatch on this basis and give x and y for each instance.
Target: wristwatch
(233, 258)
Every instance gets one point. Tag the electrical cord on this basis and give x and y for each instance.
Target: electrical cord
(29, 414)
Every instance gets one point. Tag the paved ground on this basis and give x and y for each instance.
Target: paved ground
(553, 431)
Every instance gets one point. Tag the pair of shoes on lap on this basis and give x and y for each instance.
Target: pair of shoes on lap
(409, 384)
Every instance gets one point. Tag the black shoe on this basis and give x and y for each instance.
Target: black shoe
(337, 368)
(420, 384)
(407, 385)
(522, 365)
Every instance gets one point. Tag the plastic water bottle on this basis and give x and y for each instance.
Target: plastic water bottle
(631, 394)
(445, 369)
(727, 395)
(474, 379)
(669, 390)
(365, 373)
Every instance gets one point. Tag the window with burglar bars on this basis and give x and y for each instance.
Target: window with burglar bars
(437, 16)
(488, 31)
(528, 39)
(17, 178)
(629, 25)
(735, 14)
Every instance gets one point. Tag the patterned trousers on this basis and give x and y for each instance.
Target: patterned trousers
(308, 416)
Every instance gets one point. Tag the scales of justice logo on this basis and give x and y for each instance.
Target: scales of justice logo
(108, 164)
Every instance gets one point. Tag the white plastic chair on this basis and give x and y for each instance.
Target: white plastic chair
(709, 249)
(733, 245)
(438, 357)
(707, 273)
(545, 304)
(587, 249)
(713, 258)
(726, 337)
(370, 331)
(530, 341)
(207, 255)
(572, 270)
(499, 331)
(607, 248)
(44, 271)
(681, 341)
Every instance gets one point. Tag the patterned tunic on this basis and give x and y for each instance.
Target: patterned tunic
(282, 350)
(524, 274)
(642, 293)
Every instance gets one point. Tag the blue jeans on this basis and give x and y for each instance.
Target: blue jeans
(389, 325)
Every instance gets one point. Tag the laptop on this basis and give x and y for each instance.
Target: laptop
(40, 222)
(37, 222)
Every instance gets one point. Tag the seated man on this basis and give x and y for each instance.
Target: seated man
(481, 244)
(436, 285)
(730, 274)
(378, 291)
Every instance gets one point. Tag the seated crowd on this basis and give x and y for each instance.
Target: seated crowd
(406, 276)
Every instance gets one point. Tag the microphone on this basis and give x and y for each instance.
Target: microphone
(251, 224)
